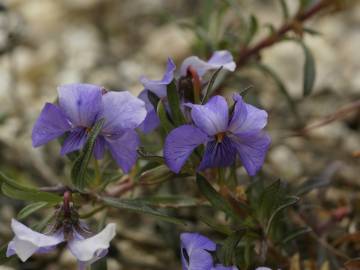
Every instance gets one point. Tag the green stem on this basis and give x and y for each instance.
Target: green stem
(98, 179)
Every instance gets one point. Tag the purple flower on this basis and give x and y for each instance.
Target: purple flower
(225, 136)
(218, 59)
(80, 106)
(159, 87)
(195, 250)
(28, 242)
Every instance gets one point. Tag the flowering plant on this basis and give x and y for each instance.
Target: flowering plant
(181, 145)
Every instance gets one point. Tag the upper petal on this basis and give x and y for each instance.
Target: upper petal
(122, 110)
(152, 120)
(213, 117)
(51, 124)
(27, 242)
(252, 148)
(246, 118)
(159, 87)
(218, 154)
(192, 241)
(123, 149)
(91, 249)
(218, 59)
(179, 145)
(80, 102)
(222, 58)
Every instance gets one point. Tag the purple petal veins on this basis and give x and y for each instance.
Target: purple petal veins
(225, 137)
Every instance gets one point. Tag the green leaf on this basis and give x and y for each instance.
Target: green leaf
(215, 226)
(140, 207)
(146, 156)
(252, 29)
(174, 104)
(153, 98)
(296, 234)
(290, 200)
(216, 200)
(284, 9)
(79, 169)
(100, 264)
(29, 195)
(31, 208)
(270, 199)
(13, 183)
(210, 85)
(228, 249)
(3, 258)
(164, 119)
(170, 201)
(157, 174)
(309, 71)
(281, 87)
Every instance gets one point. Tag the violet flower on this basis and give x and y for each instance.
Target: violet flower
(80, 106)
(225, 136)
(28, 242)
(195, 250)
(159, 87)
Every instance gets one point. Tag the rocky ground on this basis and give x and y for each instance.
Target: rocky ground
(44, 43)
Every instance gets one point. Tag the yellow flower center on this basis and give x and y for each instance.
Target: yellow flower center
(220, 136)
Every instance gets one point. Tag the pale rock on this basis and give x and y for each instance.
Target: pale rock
(286, 162)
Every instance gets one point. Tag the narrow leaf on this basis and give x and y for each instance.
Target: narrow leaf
(296, 234)
(214, 197)
(13, 183)
(79, 169)
(157, 174)
(140, 207)
(252, 29)
(29, 195)
(174, 104)
(284, 9)
(163, 116)
(210, 85)
(291, 200)
(309, 71)
(31, 208)
(228, 248)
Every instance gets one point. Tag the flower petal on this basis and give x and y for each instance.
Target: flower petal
(252, 148)
(221, 267)
(51, 124)
(159, 87)
(152, 120)
(179, 145)
(123, 149)
(27, 242)
(200, 260)
(246, 118)
(224, 59)
(218, 154)
(74, 141)
(194, 251)
(213, 117)
(192, 241)
(91, 249)
(80, 102)
(122, 110)
(218, 59)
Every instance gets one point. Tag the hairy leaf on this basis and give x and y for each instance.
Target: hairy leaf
(79, 168)
(140, 207)
(174, 104)
(31, 208)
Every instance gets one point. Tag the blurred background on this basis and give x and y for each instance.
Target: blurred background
(45, 43)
